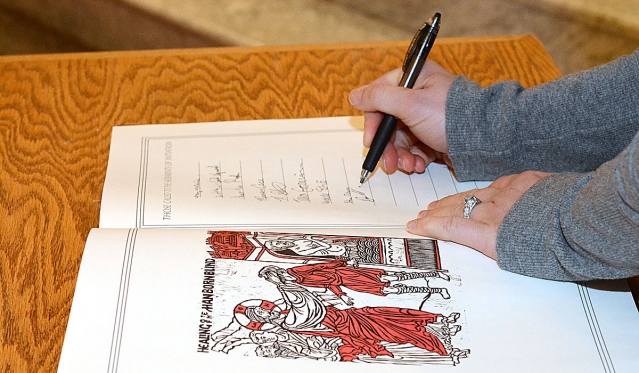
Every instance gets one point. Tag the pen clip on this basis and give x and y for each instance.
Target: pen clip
(418, 39)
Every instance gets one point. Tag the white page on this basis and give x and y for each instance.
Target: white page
(271, 173)
(141, 304)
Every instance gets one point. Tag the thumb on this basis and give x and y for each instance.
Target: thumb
(381, 98)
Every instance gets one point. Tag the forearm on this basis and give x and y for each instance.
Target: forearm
(577, 226)
(575, 123)
(336, 290)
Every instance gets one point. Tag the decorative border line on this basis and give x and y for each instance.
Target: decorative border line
(123, 293)
(593, 323)
(142, 177)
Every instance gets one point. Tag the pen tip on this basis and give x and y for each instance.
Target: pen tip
(365, 174)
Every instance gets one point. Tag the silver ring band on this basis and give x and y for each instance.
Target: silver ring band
(470, 201)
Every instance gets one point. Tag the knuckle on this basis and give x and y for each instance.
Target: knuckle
(377, 93)
(449, 225)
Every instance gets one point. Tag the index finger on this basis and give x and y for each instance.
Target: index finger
(390, 78)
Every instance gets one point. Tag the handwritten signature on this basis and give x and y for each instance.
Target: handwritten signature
(355, 194)
(215, 177)
(261, 190)
(322, 188)
(278, 191)
(225, 184)
(198, 188)
(198, 183)
(302, 188)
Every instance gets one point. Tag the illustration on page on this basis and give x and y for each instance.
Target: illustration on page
(287, 247)
(331, 309)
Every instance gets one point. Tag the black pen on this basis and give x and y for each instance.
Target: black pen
(413, 63)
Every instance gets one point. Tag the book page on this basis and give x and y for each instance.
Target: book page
(274, 173)
(167, 300)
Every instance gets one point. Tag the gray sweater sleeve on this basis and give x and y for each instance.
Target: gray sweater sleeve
(573, 226)
(575, 123)
(581, 223)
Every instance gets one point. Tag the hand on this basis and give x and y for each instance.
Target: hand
(347, 300)
(420, 137)
(314, 341)
(444, 219)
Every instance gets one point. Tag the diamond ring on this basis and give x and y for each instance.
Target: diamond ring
(470, 201)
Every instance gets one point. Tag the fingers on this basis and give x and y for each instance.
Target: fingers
(469, 232)
(390, 78)
(389, 99)
(411, 160)
(421, 134)
(407, 154)
(403, 151)
(371, 123)
(421, 110)
(390, 160)
(444, 219)
(430, 70)
(455, 203)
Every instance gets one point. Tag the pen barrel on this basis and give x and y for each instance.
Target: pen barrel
(381, 139)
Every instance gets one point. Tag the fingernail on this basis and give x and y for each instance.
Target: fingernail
(410, 226)
(355, 97)
(400, 163)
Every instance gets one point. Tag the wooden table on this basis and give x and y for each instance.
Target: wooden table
(56, 114)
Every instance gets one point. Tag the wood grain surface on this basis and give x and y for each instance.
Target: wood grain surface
(56, 115)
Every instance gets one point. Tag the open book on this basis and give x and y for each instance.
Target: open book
(250, 245)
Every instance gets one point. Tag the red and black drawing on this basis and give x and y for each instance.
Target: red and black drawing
(338, 273)
(267, 246)
(303, 323)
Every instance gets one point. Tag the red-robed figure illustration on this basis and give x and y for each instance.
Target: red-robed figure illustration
(337, 273)
(361, 330)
